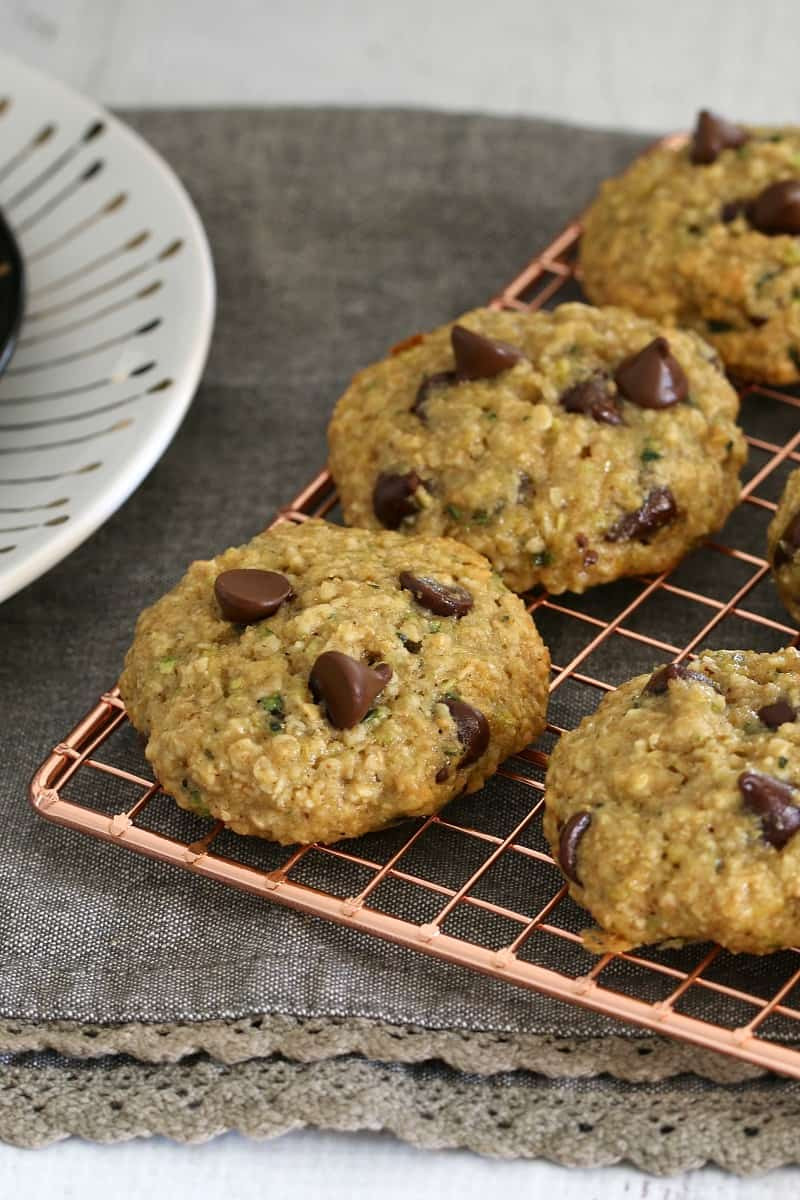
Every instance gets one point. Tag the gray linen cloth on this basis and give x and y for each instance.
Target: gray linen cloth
(335, 233)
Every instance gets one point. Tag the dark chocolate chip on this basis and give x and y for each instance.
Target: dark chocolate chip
(712, 135)
(479, 357)
(568, 843)
(411, 646)
(247, 594)
(730, 211)
(660, 680)
(442, 774)
(772, 801)
(659, 509)
(347, 686)
(592, 399)
(777, 713)
(393, 497)
(788, 543)
(472, 729)
(446, 600)
(777, 208)
(652, 378)
(431, 383)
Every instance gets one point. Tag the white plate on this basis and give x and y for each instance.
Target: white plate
(117, 321)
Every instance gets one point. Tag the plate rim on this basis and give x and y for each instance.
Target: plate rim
(143, 457)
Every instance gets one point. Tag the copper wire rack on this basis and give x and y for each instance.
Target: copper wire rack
(475, 885)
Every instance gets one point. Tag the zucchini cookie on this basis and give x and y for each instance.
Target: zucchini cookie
(705, 235)
(783, 545)
(319, 682)
(570, 447)
(674, 810)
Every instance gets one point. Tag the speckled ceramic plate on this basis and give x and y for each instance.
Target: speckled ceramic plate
(116, 316)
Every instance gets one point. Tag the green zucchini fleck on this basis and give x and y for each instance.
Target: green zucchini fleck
(273, 707)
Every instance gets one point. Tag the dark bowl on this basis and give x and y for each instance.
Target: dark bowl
(12, 292)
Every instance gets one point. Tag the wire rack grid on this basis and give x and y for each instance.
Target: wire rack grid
(475, 885)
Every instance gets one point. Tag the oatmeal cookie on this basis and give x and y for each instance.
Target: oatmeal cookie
(783, 545)
(320, 682)
(570, 447)
(705, 235)
(674, 809)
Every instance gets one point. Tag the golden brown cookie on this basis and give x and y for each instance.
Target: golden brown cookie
(704, 235)
(674, 810)
(783, 545)
(319, 682)
(570, 447)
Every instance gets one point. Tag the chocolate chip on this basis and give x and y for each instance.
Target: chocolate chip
(248, 594)
(592, 399)
(442, 774)
(788, 543)
(568, 843)
(659, 509)
(660, 680)
(393, 497)
(430, 384)
(472, 729)
(346, 686)
(730, 211)
(712, 135)
(479, 357)
(777, 208)
(652, 378)
(446, 600)
(771, 800)
(776, 714)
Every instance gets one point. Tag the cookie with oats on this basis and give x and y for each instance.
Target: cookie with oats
(674, 810)
(318, 682)
(783, 545)
(705, 235)
(570, 447)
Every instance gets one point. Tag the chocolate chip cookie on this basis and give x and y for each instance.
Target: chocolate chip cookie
(783, 545)
(319, 682)
(674, 810)
(705, 235)
(570, 447)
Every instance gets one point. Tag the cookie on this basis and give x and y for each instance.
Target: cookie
(783, 545)
(674, 811)
(705, 235)
(570, 447)
(320, 682)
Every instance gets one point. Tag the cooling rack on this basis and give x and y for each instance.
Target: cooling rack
(475, 885)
